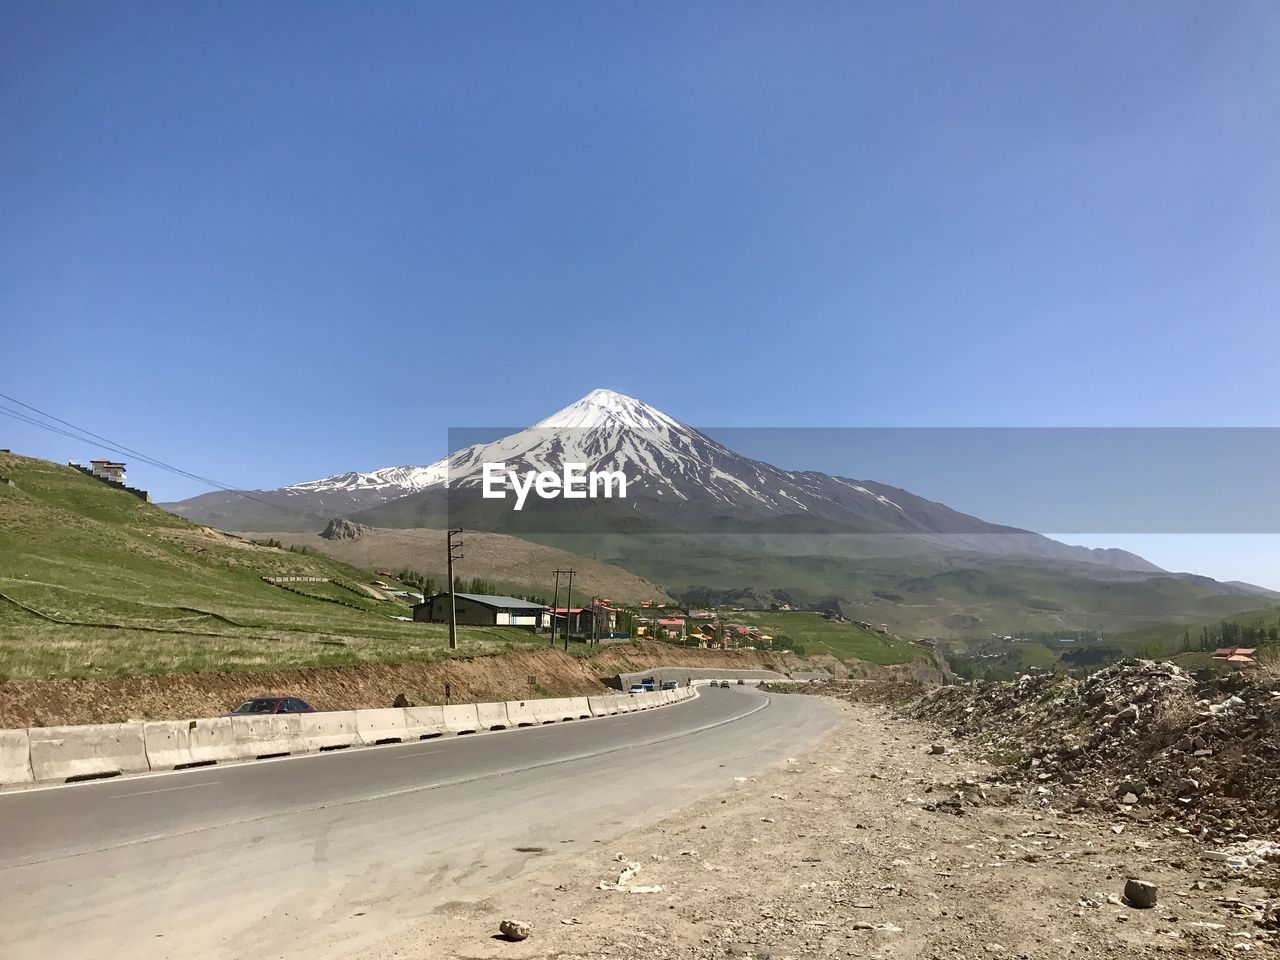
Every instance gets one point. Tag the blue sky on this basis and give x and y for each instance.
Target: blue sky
(273, 241)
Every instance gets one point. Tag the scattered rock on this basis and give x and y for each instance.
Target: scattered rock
(1140, 893)
(515, 930)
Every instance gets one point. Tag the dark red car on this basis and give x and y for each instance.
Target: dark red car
(260, 705)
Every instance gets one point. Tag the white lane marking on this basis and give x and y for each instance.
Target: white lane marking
(414, 756)
(143, 793)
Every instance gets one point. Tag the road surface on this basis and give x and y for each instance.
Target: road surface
(323, 855)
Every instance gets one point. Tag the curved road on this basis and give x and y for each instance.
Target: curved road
(319, 856)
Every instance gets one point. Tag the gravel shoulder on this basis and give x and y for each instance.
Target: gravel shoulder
(863, 847)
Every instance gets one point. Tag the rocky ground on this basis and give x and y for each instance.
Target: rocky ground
(873, 845)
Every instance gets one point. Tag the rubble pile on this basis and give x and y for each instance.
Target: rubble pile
(1139, 739)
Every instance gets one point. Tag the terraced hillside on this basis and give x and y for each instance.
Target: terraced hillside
(96, 582)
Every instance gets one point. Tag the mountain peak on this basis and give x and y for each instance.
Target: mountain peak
(608, 408)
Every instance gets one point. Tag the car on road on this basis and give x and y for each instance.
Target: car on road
(725, 684)
(648, 683)
(259, 706)
(741, 682)
(636, 688)
(668, 684)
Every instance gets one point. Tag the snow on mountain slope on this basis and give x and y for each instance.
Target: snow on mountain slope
(679, 477)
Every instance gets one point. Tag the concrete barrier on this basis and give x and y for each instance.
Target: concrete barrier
(268, 736)
(520, 713)
(576, 708)
(176, 744)
(388, 725)
(331, 730)
(422, 723)
(15, 757)
(492, 716)
(461, 718)
(546, 711)
(603, 706)
(99, 750)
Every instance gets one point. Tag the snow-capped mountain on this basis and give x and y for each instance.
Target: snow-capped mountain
(678, 478)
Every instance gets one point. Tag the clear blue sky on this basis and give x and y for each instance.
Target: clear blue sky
(272, 241)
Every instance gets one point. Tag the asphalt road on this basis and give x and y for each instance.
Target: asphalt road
(321, 855)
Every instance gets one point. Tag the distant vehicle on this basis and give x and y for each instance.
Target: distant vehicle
(647, 683)
(725, 684)
(741, 682)
(264, 705)
(636, 688)
(668, 684)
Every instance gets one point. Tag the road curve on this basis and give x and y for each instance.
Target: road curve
(322, 855)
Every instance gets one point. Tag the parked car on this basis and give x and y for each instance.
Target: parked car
(647, 683)
(668, 684)
(636, 688)
(264, 705)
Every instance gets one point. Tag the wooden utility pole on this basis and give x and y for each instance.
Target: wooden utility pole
(594, 601)
(568, 608)
(555, 603)
(453, 610)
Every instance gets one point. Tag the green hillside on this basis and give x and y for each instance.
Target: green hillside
(96, 582)
(956, 595)
(815, 635)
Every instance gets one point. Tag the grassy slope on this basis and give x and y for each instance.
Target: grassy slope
(918, 595)
(818, 636)
(510, 563)
(152, 593)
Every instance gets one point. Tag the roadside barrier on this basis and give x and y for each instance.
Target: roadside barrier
(423, 723)
(82, 753)
(106, 750)
(603, 706)
(275, 735)
(331, 731)
(15, 756)
(461, 718)
(381, 726)
(177, 744)
(547, 711)
(492, 716)
(520, 713)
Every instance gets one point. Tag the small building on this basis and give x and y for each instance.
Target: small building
(481, 610)
(107, 470)
(1237, 657)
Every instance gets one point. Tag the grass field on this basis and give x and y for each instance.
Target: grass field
(102, 584)
(847, 641)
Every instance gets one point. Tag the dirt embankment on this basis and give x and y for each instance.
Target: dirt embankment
(26, 703)
(31, 703)
(629, 657)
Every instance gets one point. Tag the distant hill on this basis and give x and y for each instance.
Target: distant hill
(506, 561)
(706, 523)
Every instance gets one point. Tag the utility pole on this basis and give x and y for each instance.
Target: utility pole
(594, 601)
(453, 610)
(555, 603)
(568, 608)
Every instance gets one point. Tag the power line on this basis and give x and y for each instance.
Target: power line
(83, 435)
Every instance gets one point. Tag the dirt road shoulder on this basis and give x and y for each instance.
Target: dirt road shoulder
(861, 848)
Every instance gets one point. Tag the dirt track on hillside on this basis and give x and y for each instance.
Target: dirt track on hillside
(858, 849)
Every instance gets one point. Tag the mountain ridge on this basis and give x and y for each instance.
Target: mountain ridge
(682, 479)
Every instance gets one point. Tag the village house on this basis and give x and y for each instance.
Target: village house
(1237, 657)
(481, 610)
